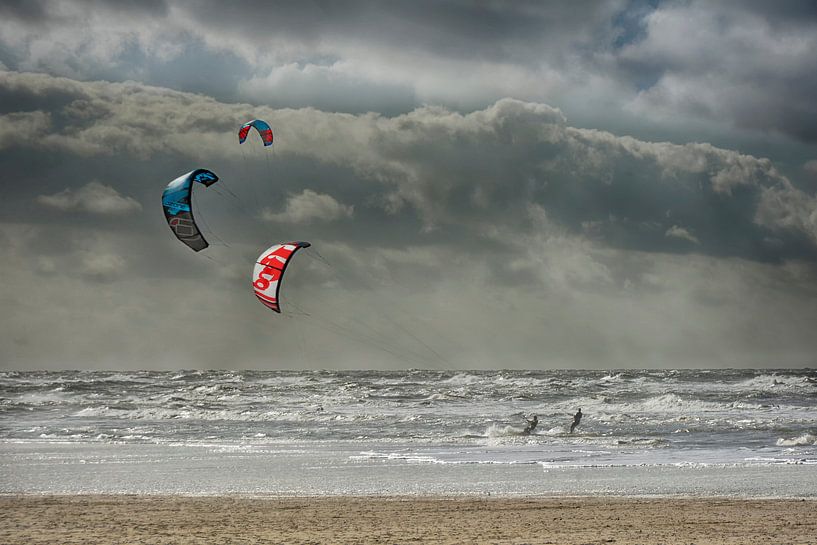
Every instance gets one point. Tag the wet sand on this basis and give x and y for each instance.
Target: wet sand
(351, 520)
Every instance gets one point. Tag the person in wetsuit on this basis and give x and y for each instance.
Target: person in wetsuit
(576, 419)
(531, 424)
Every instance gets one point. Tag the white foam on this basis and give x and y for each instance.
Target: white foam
(774, 382)
(806, 439)
(496, 431)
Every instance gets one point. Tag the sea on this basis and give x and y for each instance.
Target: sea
(724, 433)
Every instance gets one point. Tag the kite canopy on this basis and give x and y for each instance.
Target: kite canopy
(262, 127)
(176, 204)
(269, 270)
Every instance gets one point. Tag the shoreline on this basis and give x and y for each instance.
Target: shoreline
(406, 497)
(305, 469)
(567, 520)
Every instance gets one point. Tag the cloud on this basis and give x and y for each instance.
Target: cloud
(390, 56)
(446, 168)
(506, 234)
(309, 206)
(23, 126)
(623, 66)
(102, 266)
(94, 198)
(751, 66)
(446, 159)
(681, 233)
(788, 209)
(339, 86)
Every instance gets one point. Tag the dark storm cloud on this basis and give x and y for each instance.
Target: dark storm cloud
(449, 169)
(43, 12)
(785, 14)
(24, 10)
(734, 66)
(750, 63)
(450, 29)
(363, 56)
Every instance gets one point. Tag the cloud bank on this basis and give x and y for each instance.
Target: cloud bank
(447, 168)
(93, 197)
(503, 237)
(310, 206)
(741, 70)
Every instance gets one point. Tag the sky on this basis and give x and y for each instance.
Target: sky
(486, 185)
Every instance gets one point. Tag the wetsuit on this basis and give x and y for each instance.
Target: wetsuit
(576, 419)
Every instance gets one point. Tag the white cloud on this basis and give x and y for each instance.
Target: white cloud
(102, 266)
(339, 86)
(787, 208)
(76, 40)
(23, 127)
(681, 233)
(309, 206)
(94, 198)
(739, 67)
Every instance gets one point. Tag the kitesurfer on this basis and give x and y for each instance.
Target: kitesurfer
(531, 424)
(576, 419)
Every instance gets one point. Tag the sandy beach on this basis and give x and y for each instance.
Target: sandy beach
(352, 520)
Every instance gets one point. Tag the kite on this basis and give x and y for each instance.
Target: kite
(176, 204)
(262, 127)
(269, 270)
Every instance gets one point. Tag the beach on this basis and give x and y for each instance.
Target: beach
(97, 519)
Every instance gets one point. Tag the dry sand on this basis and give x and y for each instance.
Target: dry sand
(226, 520)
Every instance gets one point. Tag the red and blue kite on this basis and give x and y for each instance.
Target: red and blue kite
(262, 127)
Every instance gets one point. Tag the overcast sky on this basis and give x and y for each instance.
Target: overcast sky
(598, 184)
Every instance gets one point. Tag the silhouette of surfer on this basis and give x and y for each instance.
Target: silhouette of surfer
(531, 424)
(576, 419)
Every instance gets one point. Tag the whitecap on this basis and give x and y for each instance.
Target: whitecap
(804, 440)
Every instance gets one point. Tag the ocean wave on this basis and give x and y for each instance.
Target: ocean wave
(497, 430)
(310, 414)
(465, 379)
(644, 442)
(774, 383)
(674, 403)
(38, 399)
(709, 408)
(804, 440)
